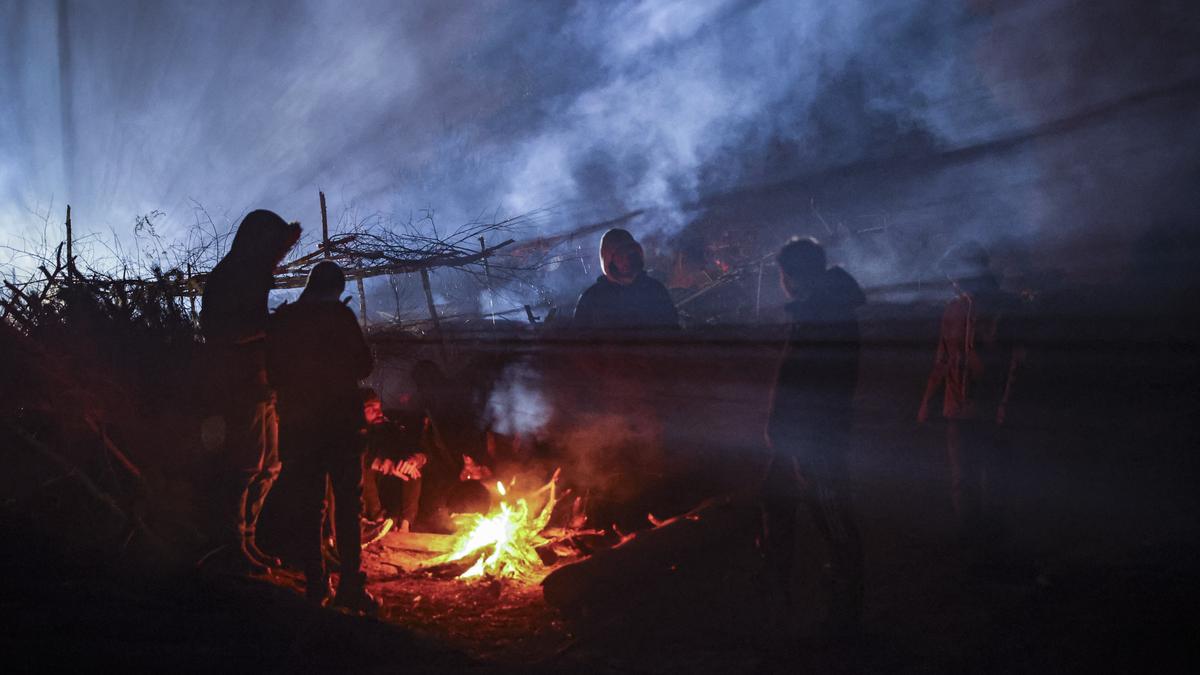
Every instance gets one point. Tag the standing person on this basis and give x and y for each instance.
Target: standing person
(976, 363)
(808, 428)
(241, 422)
(625, 302)
(316, 355)
(624, 296)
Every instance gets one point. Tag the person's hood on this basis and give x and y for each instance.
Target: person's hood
(326, 281)
(306, 310)
(624, 262)
(263, 236)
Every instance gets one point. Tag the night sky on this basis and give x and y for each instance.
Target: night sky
(1073, 122)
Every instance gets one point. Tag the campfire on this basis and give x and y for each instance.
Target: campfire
(504, 542)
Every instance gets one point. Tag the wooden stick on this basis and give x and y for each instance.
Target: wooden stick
(70, 255)
(487, 273)
(433, 315)
(324, 226)
(191, 291)
(362, 301)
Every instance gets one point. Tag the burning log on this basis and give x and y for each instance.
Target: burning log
(504, 542)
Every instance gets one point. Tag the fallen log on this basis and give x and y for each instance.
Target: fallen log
(419, 542)
(709, 536)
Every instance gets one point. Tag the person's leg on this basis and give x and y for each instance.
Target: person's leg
(830, 504)
(373, 508)
(266, 426)
(240, 461)
(307, 474)
(345, 477)
(993, 479)
(780, 504)
(400, 500)
(964, 479)
(410, 499)
(345, 474)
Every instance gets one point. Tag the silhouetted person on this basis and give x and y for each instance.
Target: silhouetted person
(976, 363)
(624, 296)
(392, 464)
(241, 419)
(316, 355)
(808, 429)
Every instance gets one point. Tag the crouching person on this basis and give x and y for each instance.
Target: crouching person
(392, 465)
(316, 355)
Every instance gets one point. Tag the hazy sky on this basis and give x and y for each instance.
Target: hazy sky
(591, 108)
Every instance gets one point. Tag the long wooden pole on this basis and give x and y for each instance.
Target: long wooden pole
(362, 301)
(433, 315)
(70, 246)
(191, 292)
(324, 226)
(487, 274)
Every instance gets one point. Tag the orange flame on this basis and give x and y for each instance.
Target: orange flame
(505, 541)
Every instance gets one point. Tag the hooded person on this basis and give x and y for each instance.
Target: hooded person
(976, 363)
(808, 428)
(316, 355)
(240, 424)
(624, 297)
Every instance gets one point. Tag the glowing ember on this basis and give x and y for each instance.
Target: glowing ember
(504, 542)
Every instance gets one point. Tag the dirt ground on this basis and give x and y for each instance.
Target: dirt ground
(1099, 573)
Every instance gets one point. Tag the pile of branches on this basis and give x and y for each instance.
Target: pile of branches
(94, 407)
(374, 246)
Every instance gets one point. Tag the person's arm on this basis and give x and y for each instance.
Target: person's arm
(937, 376)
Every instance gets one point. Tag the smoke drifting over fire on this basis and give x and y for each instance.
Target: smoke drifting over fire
(595, 109)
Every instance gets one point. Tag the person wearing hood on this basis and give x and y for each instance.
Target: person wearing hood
(624, 297)
(809, 423)
(316, 355)
(240, 423)
(976, 363)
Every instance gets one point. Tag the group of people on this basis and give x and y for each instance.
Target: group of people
(285, 392)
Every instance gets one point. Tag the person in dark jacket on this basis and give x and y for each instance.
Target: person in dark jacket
(624, 297)
(392, 464)
(316, 356)
(240, 423)
(808, 428)
(976, 363)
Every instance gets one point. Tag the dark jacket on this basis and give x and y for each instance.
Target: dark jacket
(813, 397)
(977, 355)
(645, 303)
(316, 355)
(233, 316)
